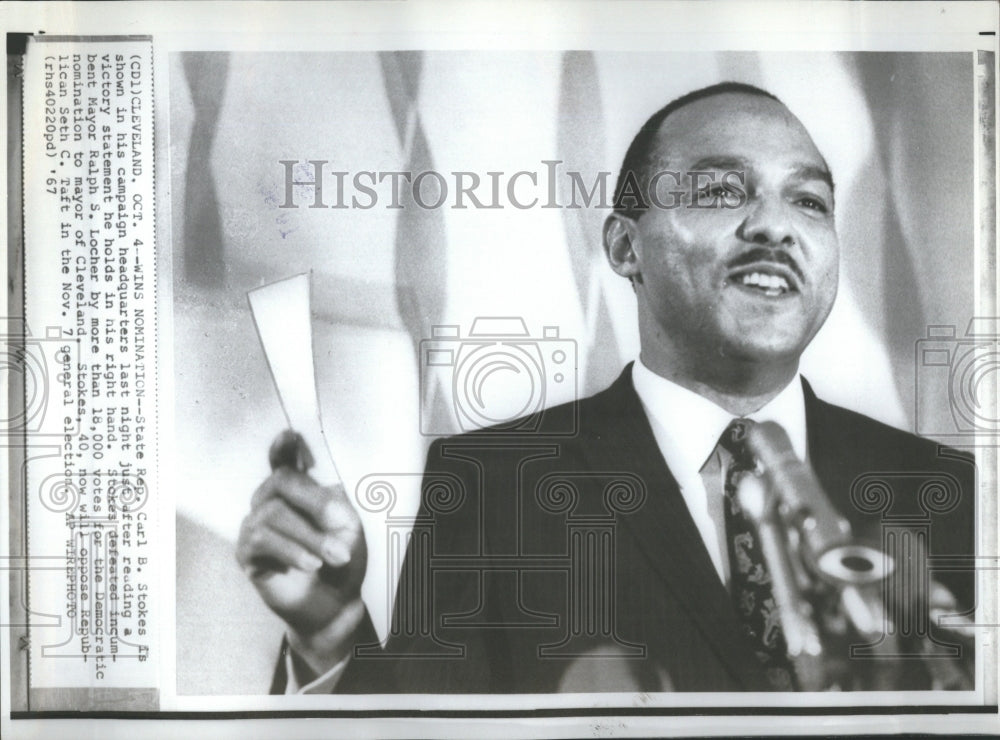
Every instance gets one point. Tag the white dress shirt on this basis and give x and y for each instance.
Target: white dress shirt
(687, 428)
(324, 684)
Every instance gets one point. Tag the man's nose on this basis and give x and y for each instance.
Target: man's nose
(767, 222)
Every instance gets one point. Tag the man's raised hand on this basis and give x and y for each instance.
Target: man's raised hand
(302, 544)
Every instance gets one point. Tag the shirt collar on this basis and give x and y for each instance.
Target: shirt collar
(690, 425)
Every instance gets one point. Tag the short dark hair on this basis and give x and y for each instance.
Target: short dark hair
(635, 172)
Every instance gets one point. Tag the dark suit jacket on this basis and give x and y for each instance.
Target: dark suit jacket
(541, 563)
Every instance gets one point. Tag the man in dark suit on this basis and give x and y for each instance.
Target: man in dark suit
(618, 558)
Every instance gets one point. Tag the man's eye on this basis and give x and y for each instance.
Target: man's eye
(718, 190)
(814, 204)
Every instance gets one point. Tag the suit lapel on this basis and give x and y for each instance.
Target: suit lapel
(835, 472)
(663, 528)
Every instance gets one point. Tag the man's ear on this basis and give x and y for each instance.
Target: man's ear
(620, 237)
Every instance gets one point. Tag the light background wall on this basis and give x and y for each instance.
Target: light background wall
(895, 128)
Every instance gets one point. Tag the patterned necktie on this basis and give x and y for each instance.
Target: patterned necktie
(750, 581)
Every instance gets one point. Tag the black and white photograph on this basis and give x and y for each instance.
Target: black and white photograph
(562, 308)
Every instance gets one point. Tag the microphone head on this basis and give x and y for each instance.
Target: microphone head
(802, 504)
(752, 497)
(855, 564)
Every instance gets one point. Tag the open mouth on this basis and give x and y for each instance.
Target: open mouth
(772, 281)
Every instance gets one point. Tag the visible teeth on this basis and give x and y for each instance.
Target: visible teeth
(768, 282)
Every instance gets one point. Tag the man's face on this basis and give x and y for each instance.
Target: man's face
(753, 282)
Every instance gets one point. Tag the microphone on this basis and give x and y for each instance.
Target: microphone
(806, 543)
(805, 648)
(801, 533)
(825, 536)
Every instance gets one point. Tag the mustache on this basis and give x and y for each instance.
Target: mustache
(766, 254)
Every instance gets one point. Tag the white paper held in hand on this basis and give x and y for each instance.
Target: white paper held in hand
(282, 317)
